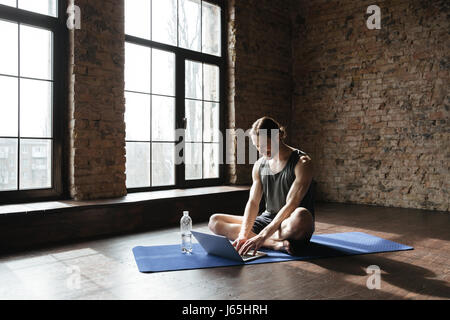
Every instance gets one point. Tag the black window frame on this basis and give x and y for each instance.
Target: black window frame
(181, 55)
(57, 25)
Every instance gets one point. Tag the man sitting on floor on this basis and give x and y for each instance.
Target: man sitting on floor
(285, 176)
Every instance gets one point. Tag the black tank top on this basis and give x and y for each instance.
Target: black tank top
(276, 186)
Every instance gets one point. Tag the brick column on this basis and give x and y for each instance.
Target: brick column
(260, 77)
(97, 103)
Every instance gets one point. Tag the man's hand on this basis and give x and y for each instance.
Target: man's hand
(239, 242)
(253, 243)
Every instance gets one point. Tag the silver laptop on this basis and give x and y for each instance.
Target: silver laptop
(221, 246)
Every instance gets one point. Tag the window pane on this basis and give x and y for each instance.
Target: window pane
(35, 108)
(137, 116)
(163, 118)
(8, 106)
(137, 164)
(189, 24)
(193, 161)
(211, 82)
(137, 68)
(35, 164)
(211, 122)
(137, 18)
(194, 120)
(8, 164)
(35, 53)
(211, 160)
(47, 7)
(11, 3)
(163, 164)
(211, 37)
(9, 48)
(164, 21)
(194, 79)
(163, 72)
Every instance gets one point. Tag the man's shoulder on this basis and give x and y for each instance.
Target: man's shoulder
(259, 161)
(304, 160)
(304, 156)
(256, 167)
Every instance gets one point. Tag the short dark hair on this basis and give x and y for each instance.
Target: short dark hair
(268, 123)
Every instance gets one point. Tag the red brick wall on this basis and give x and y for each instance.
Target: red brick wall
(96, 106)
(260, 82)
(260, 68)
(372, 106)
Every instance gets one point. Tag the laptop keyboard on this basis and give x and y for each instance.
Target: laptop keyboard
(250, 255)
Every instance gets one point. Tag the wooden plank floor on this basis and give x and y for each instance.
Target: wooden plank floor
(108, 271)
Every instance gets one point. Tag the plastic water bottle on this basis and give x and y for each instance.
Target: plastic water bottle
(186, 235)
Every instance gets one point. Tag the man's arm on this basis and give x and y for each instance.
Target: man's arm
(303, 177)
(252, 206)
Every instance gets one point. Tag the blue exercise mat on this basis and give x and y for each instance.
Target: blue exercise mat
(170, 257)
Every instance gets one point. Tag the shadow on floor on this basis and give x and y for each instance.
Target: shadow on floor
(404, 275)
(415, 222)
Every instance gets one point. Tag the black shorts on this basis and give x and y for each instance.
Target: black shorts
(266, 217)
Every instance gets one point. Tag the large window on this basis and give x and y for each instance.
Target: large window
(174, 71)
(30, 100)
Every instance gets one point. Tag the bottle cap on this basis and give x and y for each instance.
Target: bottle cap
(185, 212)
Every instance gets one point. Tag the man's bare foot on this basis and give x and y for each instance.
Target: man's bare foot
(282, 245)
(279, 245)
(287, 247)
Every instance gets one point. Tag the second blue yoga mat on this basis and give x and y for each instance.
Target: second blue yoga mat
(170, 257)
